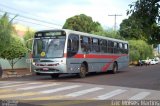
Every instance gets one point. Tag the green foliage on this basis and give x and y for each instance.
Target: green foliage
(82, 23)
(146, 14)
(130, 29)
(139, 49)
(147, 10)
(28, 36)
(142, 25)
(155, 34)
(85, 23)
(134, 55)
(6, 30)
(113, 34)
(14, 51)
(109, 33)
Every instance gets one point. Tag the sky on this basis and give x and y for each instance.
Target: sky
(54, 13)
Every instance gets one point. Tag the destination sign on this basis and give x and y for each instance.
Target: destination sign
(50, 34)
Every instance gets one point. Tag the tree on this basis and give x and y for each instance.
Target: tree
(82, 23)
(139, 49)
(14, 52)
(109, 33)
(28, 36)
(147, 14)
(147, 10)
(155, 33)
(6, 29)
(131, 29)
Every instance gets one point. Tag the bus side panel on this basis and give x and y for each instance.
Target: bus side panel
(94, 65)
(98, 64)
(123, 62)
(73, 65)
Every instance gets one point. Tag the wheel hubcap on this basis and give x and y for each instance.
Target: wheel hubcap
(83, 71)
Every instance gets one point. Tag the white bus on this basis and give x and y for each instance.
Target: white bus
(63, 51)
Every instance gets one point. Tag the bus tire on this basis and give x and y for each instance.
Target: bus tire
(38, 74)
(115, 68)
(83, 70)
(1, 72)
(55, 76)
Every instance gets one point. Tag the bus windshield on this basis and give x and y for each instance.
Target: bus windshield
(48, 47)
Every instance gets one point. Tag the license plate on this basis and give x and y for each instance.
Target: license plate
(45, 69)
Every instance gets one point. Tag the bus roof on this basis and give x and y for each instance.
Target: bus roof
(85, 34)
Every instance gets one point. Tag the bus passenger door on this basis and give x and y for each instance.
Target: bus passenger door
(72, 50)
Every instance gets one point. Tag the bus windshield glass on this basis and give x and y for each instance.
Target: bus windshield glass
(48, 47)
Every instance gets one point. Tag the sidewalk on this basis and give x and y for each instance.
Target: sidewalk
(17, 73)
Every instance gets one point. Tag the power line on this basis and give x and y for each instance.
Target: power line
(31, 18)
(12, 8)
(23, 12)
(34, 23)
(115, 20)
(30, 22)
(27, 13)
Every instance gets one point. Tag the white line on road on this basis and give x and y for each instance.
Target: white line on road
(60, 89)
(2, 82)
(39, 86)
(8, 83)
(140, 96)
(110, 94)
(19, 85)
(79, 93)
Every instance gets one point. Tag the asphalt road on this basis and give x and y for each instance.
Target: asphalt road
(129, 83)
(144, 77)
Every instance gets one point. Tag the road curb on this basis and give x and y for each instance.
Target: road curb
(14, 75)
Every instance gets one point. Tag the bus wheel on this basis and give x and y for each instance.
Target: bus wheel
(38, 74)
(115, 68)
(54, 76)
(83, 71)
(1, 71)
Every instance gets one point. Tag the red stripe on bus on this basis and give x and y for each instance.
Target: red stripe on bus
(105, 68)
(98, 56)
(65, 55)
(95, 56)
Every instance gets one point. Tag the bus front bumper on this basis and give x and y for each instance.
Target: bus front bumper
(50, 71)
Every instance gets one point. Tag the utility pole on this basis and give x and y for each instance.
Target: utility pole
(115, 20)
(158, 48)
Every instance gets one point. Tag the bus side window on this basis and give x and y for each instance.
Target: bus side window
(110, 46)
(115, 47)
(126, 48)
(120, 48)
(95, 45)
(85, 44)
(90, 44)
(73, 45)
(103, 46)
(123, 50)
(69, 47)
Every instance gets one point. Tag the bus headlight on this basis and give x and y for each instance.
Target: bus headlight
(33, 63)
